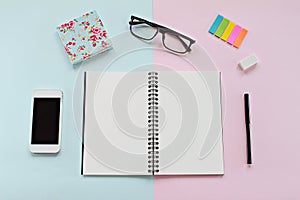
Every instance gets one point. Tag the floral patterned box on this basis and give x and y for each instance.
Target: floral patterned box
(84, 37)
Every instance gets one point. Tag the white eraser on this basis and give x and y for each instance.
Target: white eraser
(248, 62)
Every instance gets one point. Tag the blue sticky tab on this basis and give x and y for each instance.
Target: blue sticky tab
(216, 24)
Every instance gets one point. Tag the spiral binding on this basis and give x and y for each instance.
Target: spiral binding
(153, 143)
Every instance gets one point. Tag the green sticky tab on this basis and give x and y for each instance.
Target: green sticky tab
(222, 27)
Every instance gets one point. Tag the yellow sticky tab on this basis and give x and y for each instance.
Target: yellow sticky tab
(228, 31)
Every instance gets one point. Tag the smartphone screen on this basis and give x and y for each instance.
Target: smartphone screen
(45, 121)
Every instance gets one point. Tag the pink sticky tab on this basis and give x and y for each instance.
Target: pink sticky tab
(237, 29)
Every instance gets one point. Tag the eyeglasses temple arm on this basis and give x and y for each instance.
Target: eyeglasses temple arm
(136, 23)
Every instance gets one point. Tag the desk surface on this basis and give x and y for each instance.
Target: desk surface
(32, 58)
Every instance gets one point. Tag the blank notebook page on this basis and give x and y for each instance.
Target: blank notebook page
(190, 135)
(115, 135)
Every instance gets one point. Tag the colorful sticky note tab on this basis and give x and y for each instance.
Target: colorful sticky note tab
(222, 27)
(216, 24)
(240, 38)
(236, 31)
(228, 31)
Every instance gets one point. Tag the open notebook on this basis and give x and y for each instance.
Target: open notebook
(152, 123)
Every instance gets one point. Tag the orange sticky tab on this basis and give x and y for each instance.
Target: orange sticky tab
(237, 43)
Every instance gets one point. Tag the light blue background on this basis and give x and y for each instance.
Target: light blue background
(32, 57)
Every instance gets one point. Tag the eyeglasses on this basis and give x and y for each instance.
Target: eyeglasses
(172, 40)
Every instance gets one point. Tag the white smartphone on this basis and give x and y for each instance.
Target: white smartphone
(46, 115)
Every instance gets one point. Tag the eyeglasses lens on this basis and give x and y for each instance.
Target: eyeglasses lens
(144, 31)
(175, 43)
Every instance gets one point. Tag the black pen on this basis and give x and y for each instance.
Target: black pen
(247, 121)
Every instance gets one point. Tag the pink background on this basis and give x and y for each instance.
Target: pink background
(274, 87)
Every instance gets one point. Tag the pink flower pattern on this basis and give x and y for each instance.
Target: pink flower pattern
(96, 30)
(84, 37)
(93, 38)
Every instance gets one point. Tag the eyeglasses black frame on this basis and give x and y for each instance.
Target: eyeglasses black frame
(162, 29)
